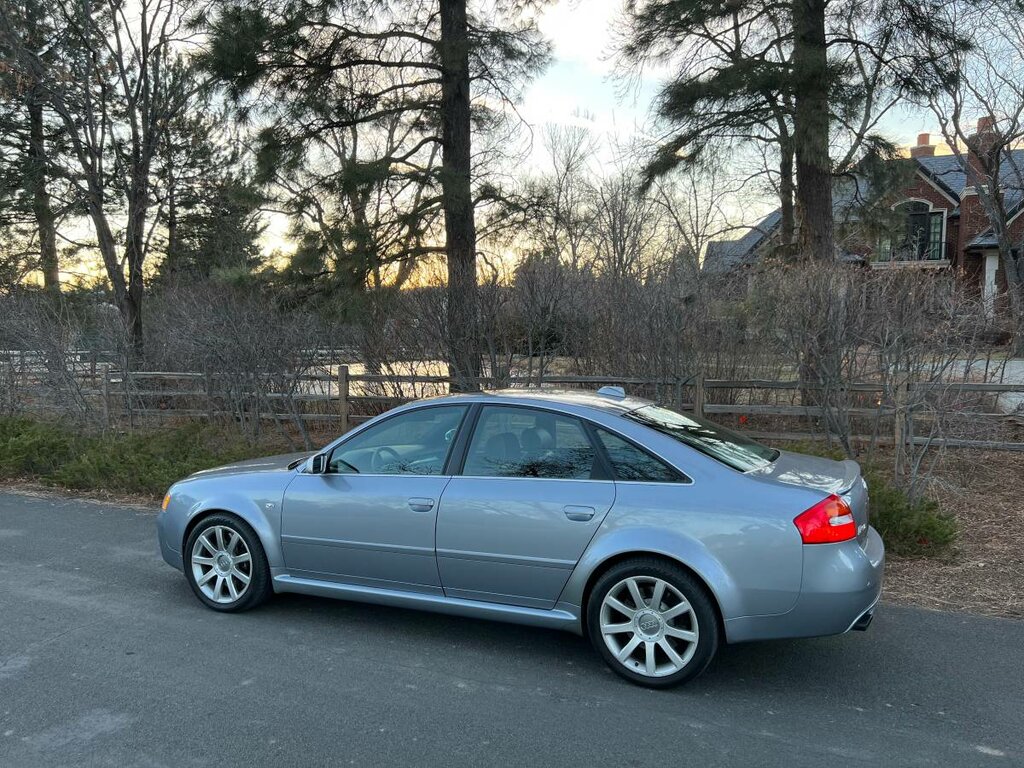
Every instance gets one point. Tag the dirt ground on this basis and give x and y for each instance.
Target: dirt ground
(985, 573)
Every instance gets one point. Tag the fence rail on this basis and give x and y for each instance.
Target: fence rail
(340, 399)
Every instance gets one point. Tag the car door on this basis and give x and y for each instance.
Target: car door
(529, 499)
(370, 519)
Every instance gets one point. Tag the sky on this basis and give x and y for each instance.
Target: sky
(579, 78)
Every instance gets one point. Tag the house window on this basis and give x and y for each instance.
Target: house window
(916, 236)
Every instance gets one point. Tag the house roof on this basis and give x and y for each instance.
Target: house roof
(949, 172)
(1013, 199)
(946, 171)
(724, 256)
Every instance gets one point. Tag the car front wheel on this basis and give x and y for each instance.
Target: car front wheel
(225, 564)
(653, 623)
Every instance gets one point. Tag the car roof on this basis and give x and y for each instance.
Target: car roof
(536, 395)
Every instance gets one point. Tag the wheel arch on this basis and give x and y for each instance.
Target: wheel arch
(606, 565)
(673, 546)
(198, 517)
(245, 510)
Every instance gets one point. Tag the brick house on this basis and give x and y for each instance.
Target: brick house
(940, 222)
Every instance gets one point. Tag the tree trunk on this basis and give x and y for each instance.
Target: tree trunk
(456, 166)
(787, 226)
(45, 220)
(811, 131)
(37, 176)
(135, 252)
(127, 305)
(172, 260)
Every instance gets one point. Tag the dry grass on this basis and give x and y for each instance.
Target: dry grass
(985, 574)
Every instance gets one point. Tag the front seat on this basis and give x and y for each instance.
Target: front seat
(502, 456)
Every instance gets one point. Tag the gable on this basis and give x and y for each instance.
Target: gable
(931, 189)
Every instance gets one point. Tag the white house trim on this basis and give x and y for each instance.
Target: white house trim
(931, 209)
(931, 182)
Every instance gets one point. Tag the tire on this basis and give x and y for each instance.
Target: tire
(223, 551)
(657, 646)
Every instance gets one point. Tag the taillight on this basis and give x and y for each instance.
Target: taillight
(828, 521)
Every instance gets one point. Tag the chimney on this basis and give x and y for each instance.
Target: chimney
(924, 146)
(982, 146)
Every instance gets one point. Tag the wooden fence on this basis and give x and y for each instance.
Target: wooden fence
(337, 399)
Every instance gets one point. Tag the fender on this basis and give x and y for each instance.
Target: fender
(261, 512)
(640, 541)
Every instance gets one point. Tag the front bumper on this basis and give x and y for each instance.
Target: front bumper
(841, 585)
(165, 534)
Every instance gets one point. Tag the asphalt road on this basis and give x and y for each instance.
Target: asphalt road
(107, 659)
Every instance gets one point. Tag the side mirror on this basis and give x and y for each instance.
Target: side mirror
(318, 465)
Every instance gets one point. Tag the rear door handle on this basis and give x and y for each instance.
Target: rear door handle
(579, 514)
(418, 504)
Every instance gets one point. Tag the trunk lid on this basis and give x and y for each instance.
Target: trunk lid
(842, 478)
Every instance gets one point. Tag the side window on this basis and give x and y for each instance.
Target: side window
(523, 442)
(632, 463)
(413, 443)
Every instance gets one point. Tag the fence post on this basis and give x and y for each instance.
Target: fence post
(343, 397)
(106, 397)
(899, 424)
(698, 396)
(208, 388)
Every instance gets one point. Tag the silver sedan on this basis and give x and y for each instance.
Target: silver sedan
(656, 534)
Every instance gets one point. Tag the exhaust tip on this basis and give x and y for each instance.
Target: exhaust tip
(864, 621)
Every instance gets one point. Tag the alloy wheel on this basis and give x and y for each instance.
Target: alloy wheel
(649, 626)
(221, 564)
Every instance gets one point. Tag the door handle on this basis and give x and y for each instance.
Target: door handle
(418, 504)
(579, 514)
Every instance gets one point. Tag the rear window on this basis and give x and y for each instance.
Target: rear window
(719, 443)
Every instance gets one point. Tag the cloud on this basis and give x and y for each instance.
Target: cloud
(583, 31)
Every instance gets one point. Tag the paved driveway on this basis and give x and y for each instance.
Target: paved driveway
(107, 659)
(1013, 373)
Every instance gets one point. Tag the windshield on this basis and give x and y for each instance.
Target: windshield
(719, 443)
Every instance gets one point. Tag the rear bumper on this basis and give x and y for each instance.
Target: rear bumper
(840, 587)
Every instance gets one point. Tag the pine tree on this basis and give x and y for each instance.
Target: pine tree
(404, 80)
(26, 163)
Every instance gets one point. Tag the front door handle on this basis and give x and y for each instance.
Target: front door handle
(418, 504)
(579, 514)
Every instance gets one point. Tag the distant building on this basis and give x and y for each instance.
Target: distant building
(944, 225)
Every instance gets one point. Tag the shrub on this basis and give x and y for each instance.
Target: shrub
(33, 449)
(145, 463)
(918, 529)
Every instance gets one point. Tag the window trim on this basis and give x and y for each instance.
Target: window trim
(600, 472)
(931, 212)
(445, 468)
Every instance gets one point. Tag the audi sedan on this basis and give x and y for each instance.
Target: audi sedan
(657, 535)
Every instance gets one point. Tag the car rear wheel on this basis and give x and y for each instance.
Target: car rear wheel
(225, 564)
(652, 622)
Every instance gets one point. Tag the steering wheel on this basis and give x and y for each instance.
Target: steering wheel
(384, 456)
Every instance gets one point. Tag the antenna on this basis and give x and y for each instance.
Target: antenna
(617, 393)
